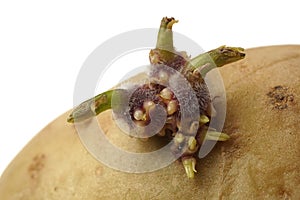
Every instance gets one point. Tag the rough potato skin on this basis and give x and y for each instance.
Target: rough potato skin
(260, 161)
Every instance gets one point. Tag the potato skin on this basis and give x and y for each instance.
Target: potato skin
(260, 161)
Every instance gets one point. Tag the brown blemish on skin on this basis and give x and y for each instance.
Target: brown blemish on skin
(284, 193)
(98, 171)
(280, 97)
(37, 164)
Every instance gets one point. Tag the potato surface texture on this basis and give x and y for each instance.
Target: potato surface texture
(261, 160)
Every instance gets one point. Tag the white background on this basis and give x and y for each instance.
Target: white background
(43, 45)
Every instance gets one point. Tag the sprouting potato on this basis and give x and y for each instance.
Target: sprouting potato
(259, 161)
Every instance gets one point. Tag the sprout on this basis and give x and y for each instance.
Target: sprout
(172, 107)
(189, 164)
(192, 143)
(186, 138)
(139, 115)
(166, 94)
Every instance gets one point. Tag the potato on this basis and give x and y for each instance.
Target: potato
(260, 161)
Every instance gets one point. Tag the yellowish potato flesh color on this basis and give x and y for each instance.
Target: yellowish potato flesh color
(260, 161)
